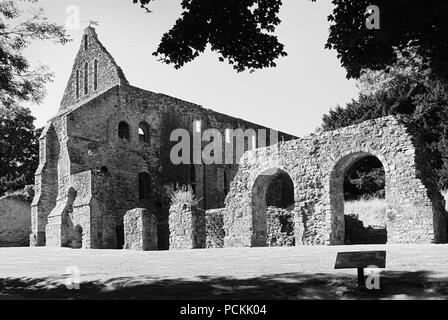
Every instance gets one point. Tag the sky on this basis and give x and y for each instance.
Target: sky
(291, 97)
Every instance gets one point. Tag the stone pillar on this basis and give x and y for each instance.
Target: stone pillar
(140, 230)
(187, 227)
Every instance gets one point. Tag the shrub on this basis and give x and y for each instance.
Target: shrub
(184, 195)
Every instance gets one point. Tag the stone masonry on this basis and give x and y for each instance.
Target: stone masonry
(140, 230)
(317, 165)
(187, 227)
(15, 222)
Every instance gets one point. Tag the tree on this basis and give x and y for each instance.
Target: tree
(19, 148)
(18, 80)
(239, 30)
(407, 87)
(403, 23)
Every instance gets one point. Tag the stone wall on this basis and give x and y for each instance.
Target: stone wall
(317, 165)
(15, 221)
(214, 221)
(280, 227)
(140, 230)
(187, 227)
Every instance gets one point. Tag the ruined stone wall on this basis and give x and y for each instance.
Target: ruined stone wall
(140, 228)
(317, 165)
(187, 227)
(214, 225)
(15, 221)
(280, 227)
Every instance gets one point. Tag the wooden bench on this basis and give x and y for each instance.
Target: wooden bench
(360, 260)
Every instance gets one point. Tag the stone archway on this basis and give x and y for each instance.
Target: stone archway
(272, 186)
(337, 200)
(316, 163)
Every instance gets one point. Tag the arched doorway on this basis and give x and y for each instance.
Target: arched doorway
(358, 205)
(272, 206)
(77, 238)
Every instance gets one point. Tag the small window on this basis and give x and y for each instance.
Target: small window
(95, 75)
(104, 169)
(123, 130)
(86, 42)
(144, 186)
(226, 182)
(77, 84)
(143, 132)
(86, 78)
(192, 178)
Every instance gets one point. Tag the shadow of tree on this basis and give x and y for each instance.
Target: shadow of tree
(393, 285)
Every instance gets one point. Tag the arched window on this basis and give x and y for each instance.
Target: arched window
(77, 237)
(226, 182)
(123, 130)
(144, 185)
(95, 74)
(86, 42)
(86, 78)
(77, 84)
(143, 132)
(193, 178)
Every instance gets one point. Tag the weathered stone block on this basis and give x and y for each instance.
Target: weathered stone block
(140, 230)
(187, 227)
(15, 221)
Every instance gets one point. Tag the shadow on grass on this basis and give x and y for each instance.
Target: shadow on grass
(394, 285)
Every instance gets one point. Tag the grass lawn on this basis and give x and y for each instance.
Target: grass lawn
(306, 272)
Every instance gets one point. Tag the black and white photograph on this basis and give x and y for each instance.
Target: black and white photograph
(222, 155)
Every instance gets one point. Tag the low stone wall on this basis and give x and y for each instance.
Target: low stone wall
(15, 221)
(357, 233)
(214, 221)
(280, 227)
(187, 227)
(140, 230)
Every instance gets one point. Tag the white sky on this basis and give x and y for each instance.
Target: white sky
(291, 97)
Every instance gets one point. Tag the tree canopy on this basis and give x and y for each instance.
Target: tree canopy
(403, 23)
(18, 80)
(19, 148)
(407, 87)
(241, 31)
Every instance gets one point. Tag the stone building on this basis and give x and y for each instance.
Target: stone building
(107, 151)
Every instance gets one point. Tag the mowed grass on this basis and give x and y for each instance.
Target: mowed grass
(303, 272)
(372, 212)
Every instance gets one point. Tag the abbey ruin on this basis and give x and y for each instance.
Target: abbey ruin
(107, 151)
(105, 162)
